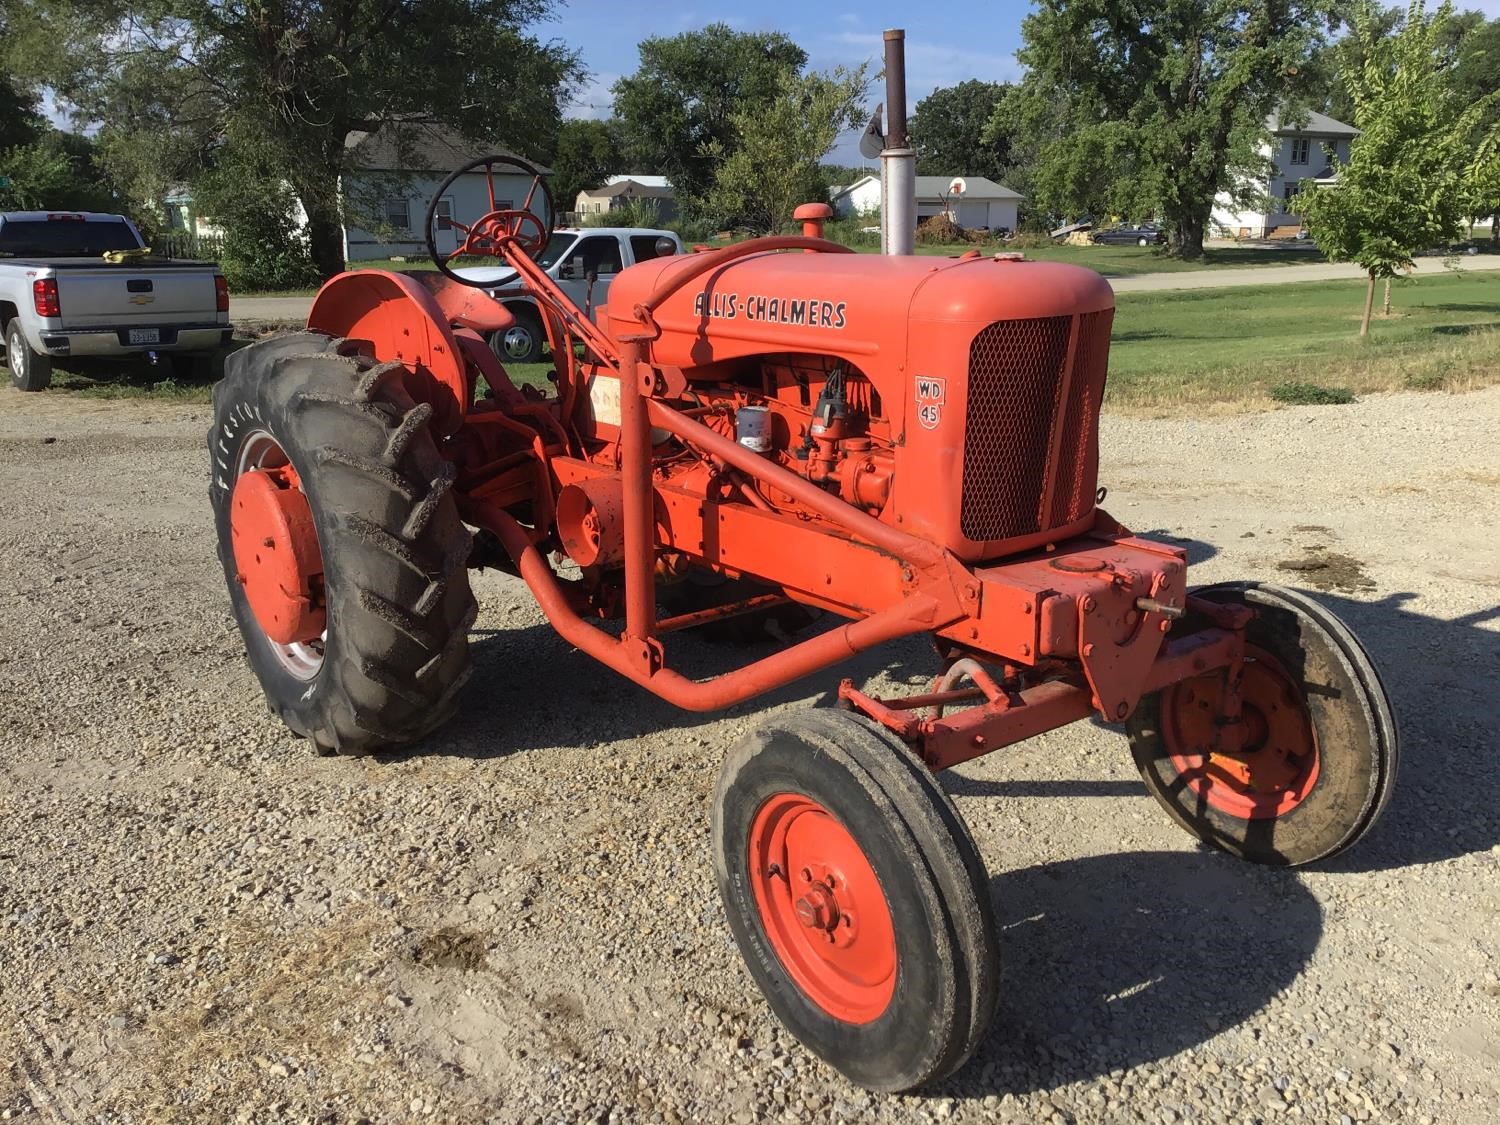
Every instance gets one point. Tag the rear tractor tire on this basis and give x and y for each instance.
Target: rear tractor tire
(857, 898)
(1320, 749)
(341, 545)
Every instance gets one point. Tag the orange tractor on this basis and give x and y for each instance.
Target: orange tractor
(781, 428)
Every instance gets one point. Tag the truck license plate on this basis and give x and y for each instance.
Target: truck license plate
(145, 335)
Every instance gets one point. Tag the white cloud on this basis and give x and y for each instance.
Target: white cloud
(928, 65)
(593, 99)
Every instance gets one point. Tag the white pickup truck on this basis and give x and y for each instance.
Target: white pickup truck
(583, 263)
(59, 296)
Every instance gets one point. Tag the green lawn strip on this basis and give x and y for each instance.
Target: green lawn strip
(1174, 350)
(1223, 345)
(1134, 261)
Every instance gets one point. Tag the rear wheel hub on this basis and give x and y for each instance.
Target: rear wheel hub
(276, 555)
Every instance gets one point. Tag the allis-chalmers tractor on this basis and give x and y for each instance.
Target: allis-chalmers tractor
(908, 445)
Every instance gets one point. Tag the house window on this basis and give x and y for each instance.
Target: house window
(1289, 191)
(397, 214)
(1299, 150)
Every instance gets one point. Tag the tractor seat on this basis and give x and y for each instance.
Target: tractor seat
(463, 305)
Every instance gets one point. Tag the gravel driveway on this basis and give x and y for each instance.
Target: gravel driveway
(201, 921)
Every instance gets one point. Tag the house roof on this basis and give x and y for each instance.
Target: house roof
(975, 187)
(933, 188)
(1309, 123)
(418, 145)
(645, 180)
(628, 187)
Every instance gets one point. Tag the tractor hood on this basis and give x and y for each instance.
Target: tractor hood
(857, 306)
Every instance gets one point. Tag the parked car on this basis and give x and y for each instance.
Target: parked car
(584, 263)
(1143, 235)
(61, 296)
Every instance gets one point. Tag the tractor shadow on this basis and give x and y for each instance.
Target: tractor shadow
(1441, 675)
(531, 690)
(1112, 961)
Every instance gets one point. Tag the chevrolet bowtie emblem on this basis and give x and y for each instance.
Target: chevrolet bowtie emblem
(143, 299)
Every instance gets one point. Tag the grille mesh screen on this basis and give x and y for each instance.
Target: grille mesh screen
(1015, 375)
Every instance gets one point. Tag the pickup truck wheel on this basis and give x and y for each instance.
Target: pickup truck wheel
(28, 370)
(522, 341)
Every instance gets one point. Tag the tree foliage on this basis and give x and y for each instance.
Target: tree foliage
(1423, 161)
(1476, 79)
(777, 145)
(171, 82)
(681, 111)
(952, 135)
(587, 153)
(1153, 107)
(54, 172)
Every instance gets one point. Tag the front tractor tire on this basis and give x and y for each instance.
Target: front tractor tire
(857, 898)
(1320, 743)
(341, 545)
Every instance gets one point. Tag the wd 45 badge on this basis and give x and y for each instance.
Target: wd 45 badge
(930, 394)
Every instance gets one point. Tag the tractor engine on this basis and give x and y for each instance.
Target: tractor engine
(955, 399)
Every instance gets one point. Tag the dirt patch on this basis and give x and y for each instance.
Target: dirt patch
(451, 948)
(1329, 570)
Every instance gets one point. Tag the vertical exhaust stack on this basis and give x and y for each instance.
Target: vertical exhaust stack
(898, 163)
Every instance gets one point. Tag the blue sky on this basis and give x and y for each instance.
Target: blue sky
(946, 42)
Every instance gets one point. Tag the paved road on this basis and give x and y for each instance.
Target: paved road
(1278, 275)
(295, 308)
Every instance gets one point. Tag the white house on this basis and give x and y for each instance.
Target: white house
(1298, 150)
(401, 165)
(621, 191)
(984, 203)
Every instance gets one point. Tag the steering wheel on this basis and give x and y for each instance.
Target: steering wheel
(499, 226)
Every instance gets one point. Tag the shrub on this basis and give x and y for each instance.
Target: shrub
(1310, 394)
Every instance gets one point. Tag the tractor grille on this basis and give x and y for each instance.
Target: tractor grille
(1016, 385)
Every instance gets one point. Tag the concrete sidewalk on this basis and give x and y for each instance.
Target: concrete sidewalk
(294, 309)
(1281, 275)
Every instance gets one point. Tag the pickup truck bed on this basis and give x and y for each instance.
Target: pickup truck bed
(76, 303)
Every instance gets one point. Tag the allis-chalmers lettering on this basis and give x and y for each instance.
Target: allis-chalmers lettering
(771, 310)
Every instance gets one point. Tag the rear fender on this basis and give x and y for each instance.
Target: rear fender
(402, 321)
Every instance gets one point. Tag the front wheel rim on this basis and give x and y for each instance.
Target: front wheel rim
(17, 353)
(822, 908)
(1278, 765)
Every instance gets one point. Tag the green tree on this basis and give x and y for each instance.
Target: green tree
(1476, 78)
(53, 172)
(288, 83)
(1154, 107)
(952, 131)
(1421, 162)
(774, 165)
(588, 153)
(678, 111)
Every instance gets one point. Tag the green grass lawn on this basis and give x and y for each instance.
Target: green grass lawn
(1111, 261)
(1175, 349)
(1133, 261)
